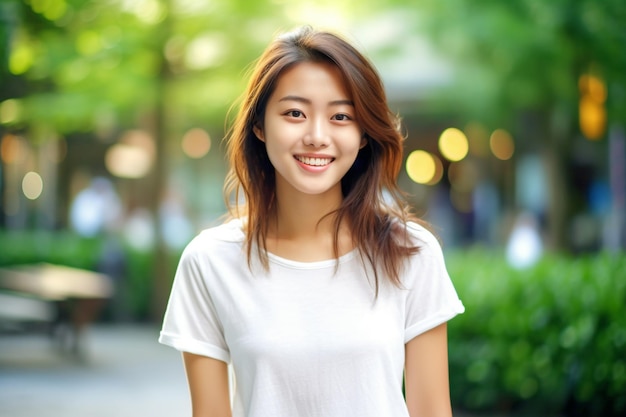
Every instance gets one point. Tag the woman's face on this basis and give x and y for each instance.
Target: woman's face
(310, 130)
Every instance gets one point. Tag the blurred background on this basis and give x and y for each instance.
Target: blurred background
(112, 115)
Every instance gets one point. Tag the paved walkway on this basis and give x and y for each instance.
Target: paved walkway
(126, 374)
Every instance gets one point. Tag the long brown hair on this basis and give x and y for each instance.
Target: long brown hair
(373, 203)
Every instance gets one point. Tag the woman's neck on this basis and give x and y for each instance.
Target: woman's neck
(303, 229)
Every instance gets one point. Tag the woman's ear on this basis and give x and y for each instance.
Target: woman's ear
(363, 141)
(258, 132)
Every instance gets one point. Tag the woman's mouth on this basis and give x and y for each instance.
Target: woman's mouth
(315, 162)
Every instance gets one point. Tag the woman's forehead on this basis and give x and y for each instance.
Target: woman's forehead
(307, 80)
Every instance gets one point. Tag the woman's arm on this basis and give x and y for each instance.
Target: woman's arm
(208, 386)
(427, 383)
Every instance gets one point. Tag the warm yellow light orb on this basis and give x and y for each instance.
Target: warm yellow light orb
(593, 87)
(12, 149)
(453, 144)
(501, 144)
(592, 118)
(438, 171)
(420, 166)
(591, 107)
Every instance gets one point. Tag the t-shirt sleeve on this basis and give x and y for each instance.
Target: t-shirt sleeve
(431, 296)
(191, 322)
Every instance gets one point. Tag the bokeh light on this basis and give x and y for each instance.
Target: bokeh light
(592, 118)
(10, 111)
(32, 185)
(438, 171)
(12, 149)
(127, 161)
(196, 143)
(453, 144)
(96, 208)
(420, 167)
(51, 10)
(591, 109)
(592, 86)
(88, 43)
(21, 59)
(133, 156)
(206, 51)
(140, 139)
(501, 144)
(149, 12)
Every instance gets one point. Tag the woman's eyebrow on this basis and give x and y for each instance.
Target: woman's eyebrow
(342, 103)
(305, 100)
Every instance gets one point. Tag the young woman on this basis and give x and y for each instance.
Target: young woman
(322, 291)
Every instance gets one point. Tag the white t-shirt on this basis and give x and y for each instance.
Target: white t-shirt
(304, 340)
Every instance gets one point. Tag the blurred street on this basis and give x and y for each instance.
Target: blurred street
(125, 373)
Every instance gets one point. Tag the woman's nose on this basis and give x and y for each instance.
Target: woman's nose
(318, 134)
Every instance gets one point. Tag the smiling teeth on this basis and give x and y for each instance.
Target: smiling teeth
(318, 162)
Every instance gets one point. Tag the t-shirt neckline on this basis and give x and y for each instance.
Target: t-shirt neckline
(273, 258)
(276, 259)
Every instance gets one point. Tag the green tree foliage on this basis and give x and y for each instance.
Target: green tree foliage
(91, 66)
(86, 65)
(528, 54)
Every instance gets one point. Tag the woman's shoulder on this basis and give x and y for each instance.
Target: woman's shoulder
(421, 233)
(229, 231)
(422, 237)
(224, 234)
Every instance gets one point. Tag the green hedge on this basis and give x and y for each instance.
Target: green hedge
(548, 340)
(63, 248)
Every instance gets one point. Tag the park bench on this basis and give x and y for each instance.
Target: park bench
(63, 299)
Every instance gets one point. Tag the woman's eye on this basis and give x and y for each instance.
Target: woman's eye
(342, 117)
(294, 113)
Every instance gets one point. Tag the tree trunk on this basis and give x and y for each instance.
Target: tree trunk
(558, 198)
(162, 278)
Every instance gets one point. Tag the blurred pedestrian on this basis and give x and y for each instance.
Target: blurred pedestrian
(321, 294)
